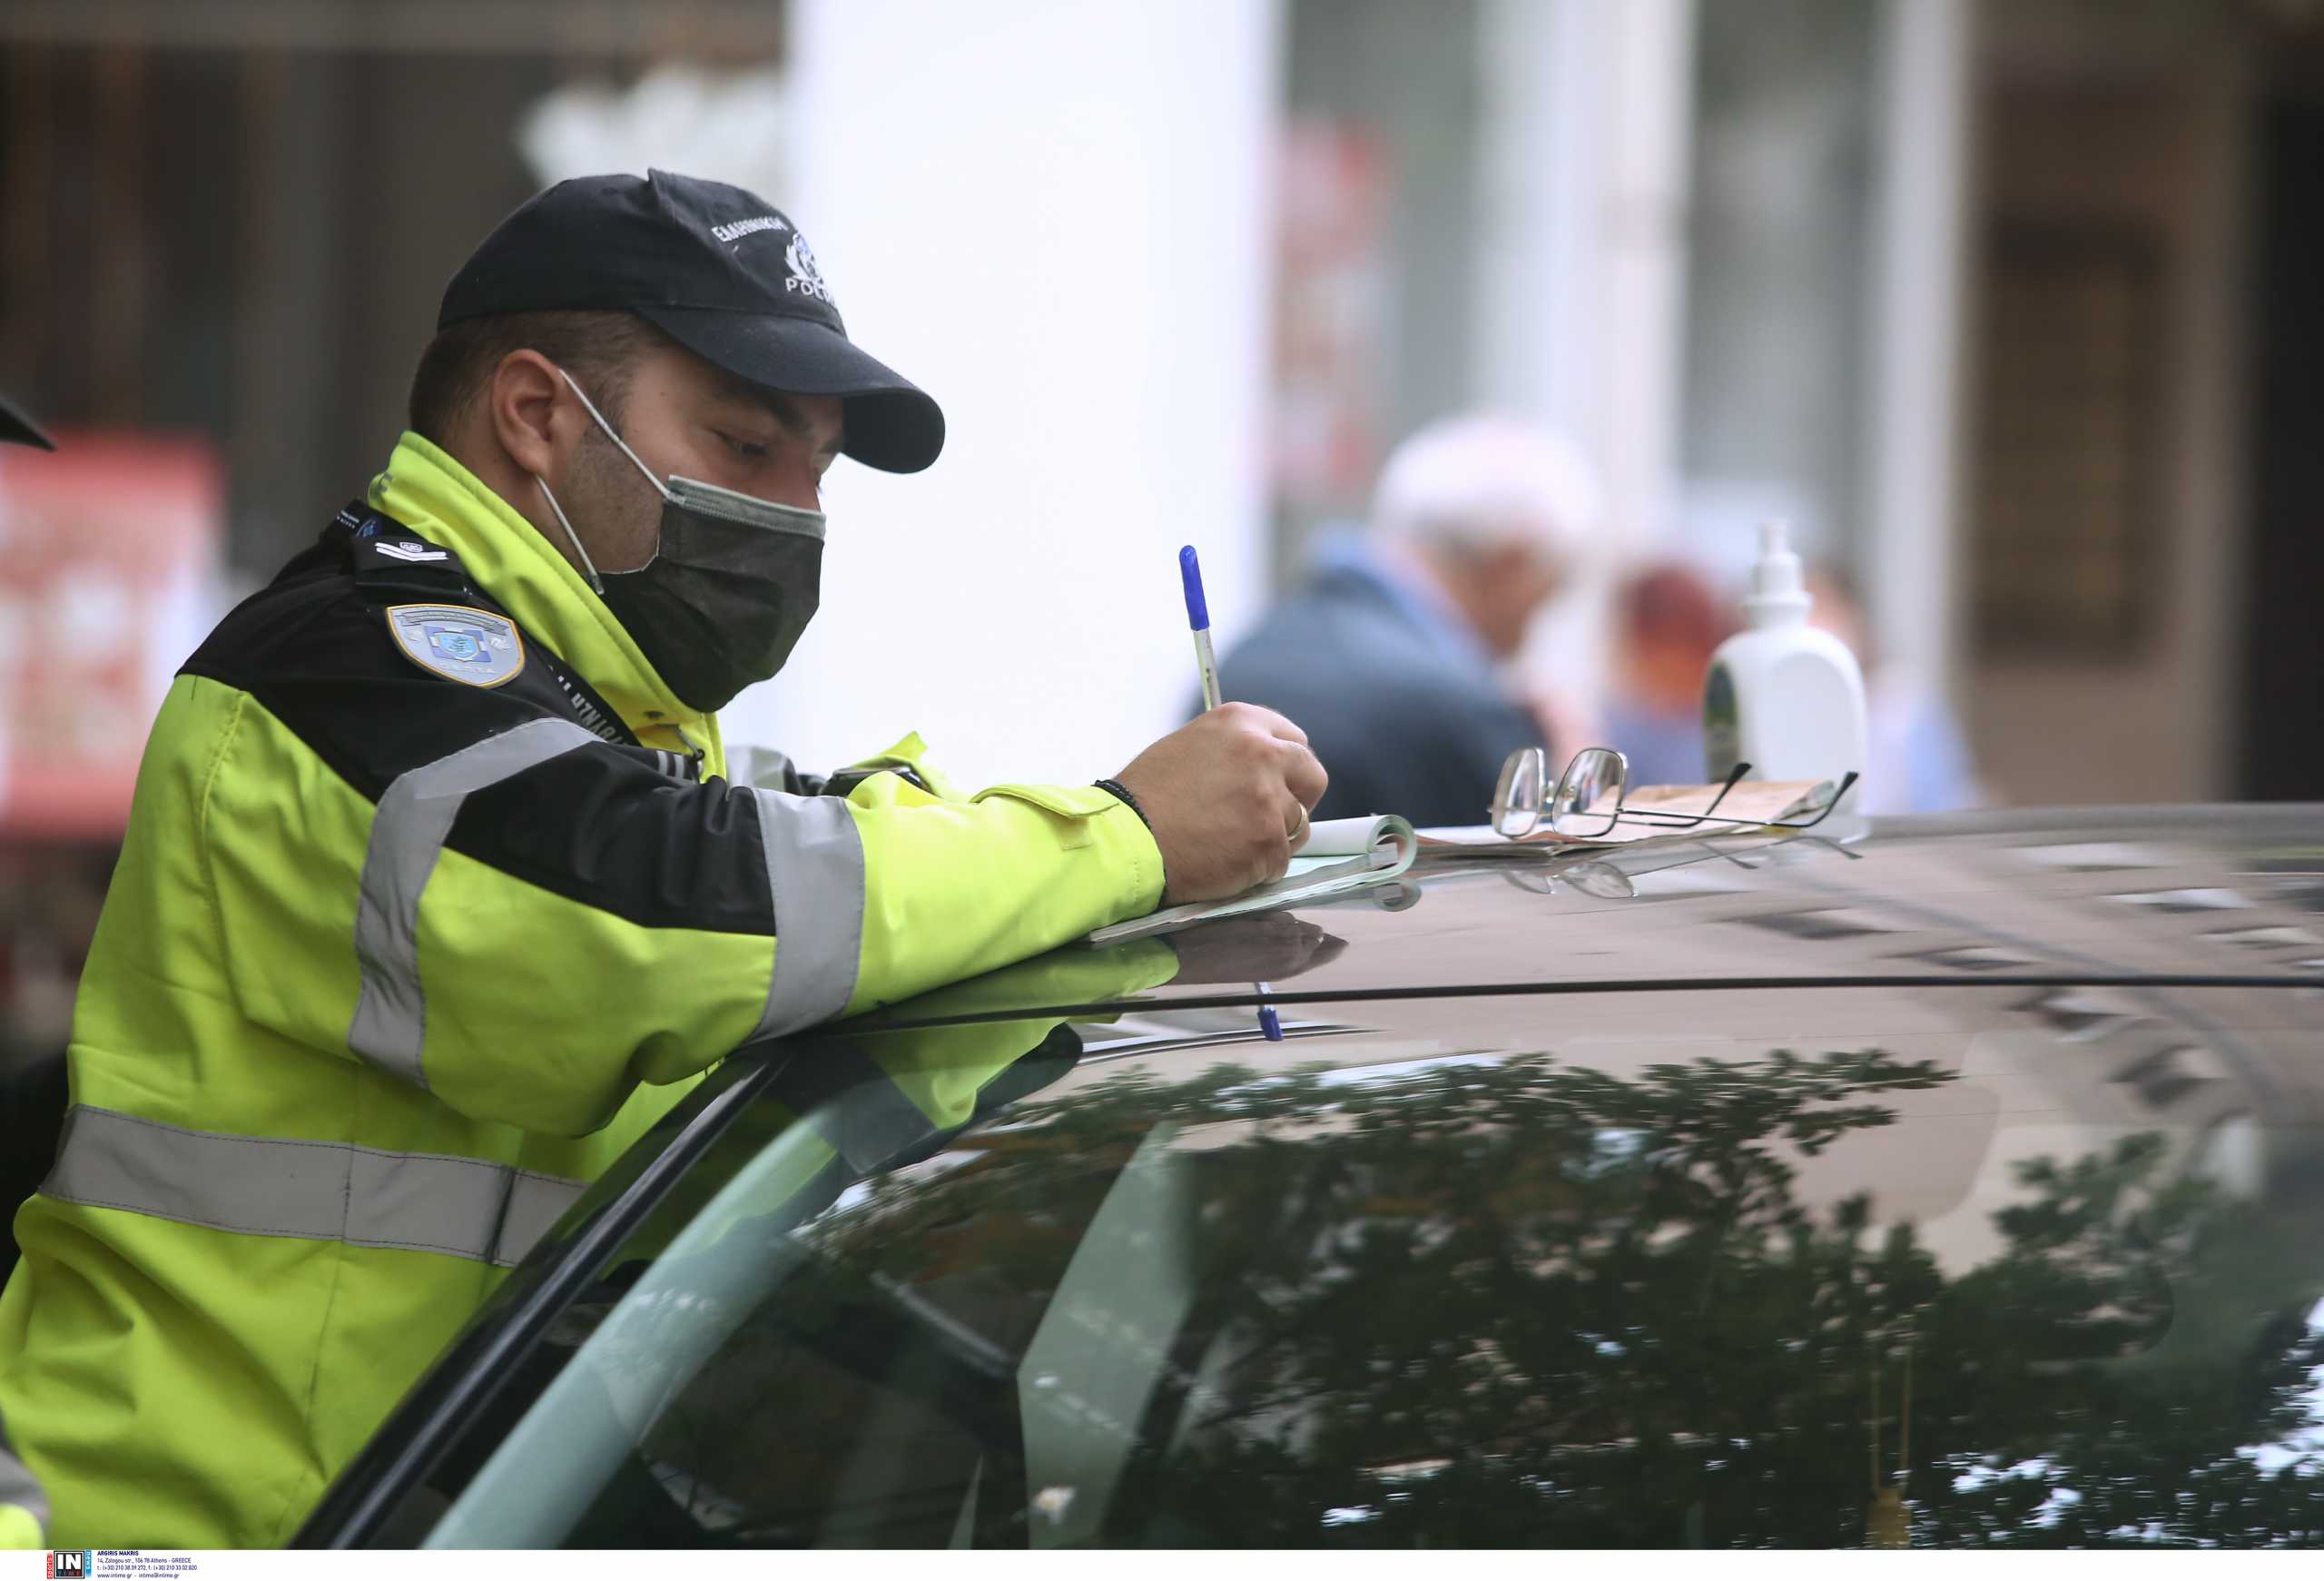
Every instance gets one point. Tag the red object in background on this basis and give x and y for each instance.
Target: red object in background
(110, 549)
(1331, 313)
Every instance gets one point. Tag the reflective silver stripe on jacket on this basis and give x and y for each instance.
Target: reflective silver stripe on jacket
(19, 1487)
(407, 833)
(309, 1190)
(814, 866)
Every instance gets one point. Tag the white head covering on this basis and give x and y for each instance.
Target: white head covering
(1478, 479)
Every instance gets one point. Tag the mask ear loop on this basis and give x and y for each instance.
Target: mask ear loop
(596, 583)
(659, 487)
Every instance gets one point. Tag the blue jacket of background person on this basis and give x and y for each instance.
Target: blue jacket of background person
(1399, 699)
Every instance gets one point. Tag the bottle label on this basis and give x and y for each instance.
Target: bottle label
(1722, 746)
(1823, 725)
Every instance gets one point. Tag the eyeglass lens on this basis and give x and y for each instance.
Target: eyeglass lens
(1517, 798)
(1589, 793)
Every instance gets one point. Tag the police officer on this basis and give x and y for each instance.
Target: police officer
(23, 1511)
(438, 890)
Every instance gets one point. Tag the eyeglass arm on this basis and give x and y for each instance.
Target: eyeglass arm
(1689, 820)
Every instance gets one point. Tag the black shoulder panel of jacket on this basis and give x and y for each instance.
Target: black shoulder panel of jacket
(612, 824)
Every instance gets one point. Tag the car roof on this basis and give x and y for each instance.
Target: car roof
(2070, 978)
(2189, 896)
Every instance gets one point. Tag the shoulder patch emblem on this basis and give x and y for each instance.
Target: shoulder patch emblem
(471, 646)
(410, 553)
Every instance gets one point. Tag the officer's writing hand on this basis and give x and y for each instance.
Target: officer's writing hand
(1228, 796)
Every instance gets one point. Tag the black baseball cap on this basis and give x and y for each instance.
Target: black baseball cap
(718, 270)
(16, 429)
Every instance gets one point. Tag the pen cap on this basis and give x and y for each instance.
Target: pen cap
(1190, 573)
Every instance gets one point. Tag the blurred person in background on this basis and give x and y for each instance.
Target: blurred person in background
(1919, 757)
(1392, 654)
(47, 918)
(1667, 622)
(30, 1101)
(438, 890)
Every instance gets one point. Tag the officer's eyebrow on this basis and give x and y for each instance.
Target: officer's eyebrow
(786, 412)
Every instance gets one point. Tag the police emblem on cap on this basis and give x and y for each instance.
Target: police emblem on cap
(804, 276)
(462, 644)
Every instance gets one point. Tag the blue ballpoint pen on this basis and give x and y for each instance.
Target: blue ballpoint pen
(1198, 620)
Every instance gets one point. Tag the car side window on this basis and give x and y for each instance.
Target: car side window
(1796, 1298)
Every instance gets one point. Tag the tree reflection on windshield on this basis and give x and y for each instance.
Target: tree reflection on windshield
(1507, 1302)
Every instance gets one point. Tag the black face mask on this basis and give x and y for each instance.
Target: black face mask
(730, 588)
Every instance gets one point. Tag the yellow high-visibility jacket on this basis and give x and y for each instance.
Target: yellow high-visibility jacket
(433, 899)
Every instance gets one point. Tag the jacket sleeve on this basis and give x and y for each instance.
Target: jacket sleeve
(1022, 868)
(911, 753)
(543, 919)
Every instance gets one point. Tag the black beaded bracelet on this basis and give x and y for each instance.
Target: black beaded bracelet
(1120, 793)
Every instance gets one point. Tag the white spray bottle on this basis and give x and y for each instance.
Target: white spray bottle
(1781, 695)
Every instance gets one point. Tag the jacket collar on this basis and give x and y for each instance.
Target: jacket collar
(442, 501)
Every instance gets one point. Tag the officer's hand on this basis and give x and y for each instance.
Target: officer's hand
(1228, 798)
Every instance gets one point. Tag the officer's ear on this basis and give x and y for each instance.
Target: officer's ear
(524, 402)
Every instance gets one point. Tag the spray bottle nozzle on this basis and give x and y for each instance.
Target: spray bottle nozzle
(1778, 588)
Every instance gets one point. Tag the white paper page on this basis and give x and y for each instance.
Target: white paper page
(1377, 850)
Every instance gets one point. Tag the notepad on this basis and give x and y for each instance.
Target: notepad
(1341, 857)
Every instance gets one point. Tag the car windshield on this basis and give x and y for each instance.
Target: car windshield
(2049, 1281)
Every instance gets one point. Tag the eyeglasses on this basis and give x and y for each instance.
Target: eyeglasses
(1587, 803)
(1598, 880)
(1613, 876)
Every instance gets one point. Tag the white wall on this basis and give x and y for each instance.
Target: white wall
(1055, 217)
(1580, 262)
(1921, 236)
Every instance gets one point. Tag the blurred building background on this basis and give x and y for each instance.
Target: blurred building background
(2008, 305)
